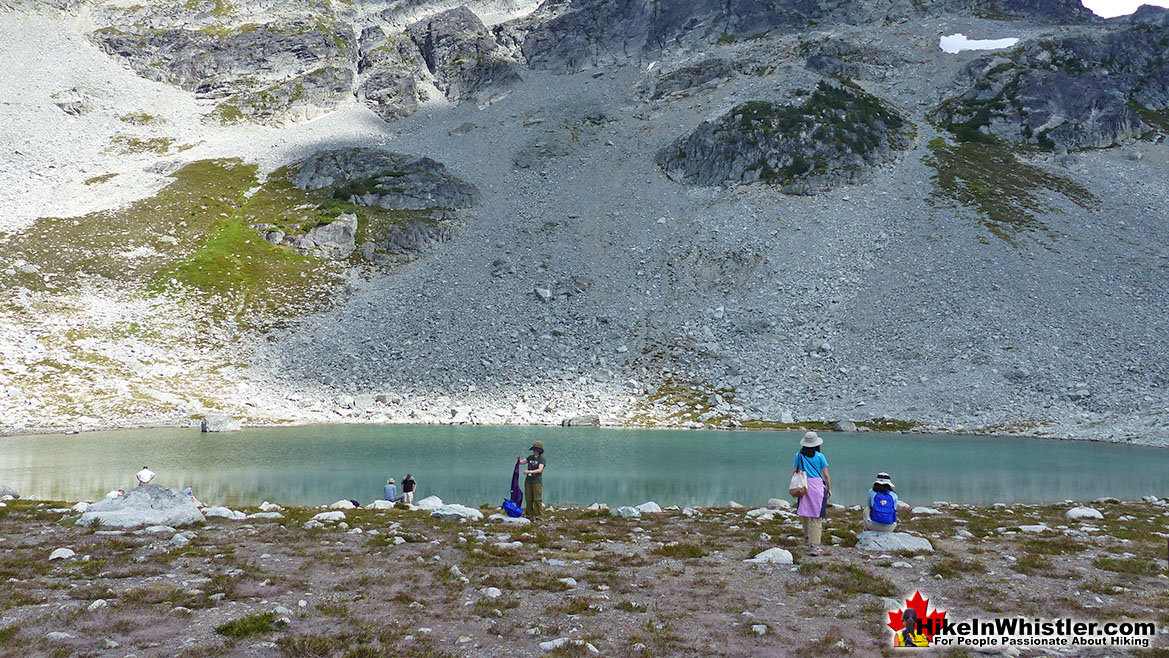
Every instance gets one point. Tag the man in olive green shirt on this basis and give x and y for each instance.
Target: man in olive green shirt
(534, 482)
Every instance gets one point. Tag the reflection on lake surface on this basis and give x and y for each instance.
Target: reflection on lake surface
(472, 465)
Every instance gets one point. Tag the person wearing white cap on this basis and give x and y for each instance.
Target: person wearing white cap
(813, 505)
(882, 516)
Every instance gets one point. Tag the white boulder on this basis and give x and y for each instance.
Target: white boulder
(888, 542)
(626, 511)
(927, 511)
(146, 505)
(649, 508)
(343, 504)
(761, 514)
(380, 504)
(266, 515)
(690, 511)
(270, 507)
(224, 513)
(509, 520)
(79, 508)
(1082, 514)
(430, 503)
(62, 554)
(772, 556)
(329, 517)
(453, 511)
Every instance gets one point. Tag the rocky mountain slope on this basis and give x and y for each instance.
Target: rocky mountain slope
(766, 214)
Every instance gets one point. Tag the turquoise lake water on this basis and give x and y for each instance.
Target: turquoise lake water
(472, 465)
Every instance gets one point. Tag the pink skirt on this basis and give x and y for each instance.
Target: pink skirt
(812, 504)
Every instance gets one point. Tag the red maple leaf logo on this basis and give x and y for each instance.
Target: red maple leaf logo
(931, 622)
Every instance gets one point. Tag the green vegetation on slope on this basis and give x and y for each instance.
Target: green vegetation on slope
(1006, 192)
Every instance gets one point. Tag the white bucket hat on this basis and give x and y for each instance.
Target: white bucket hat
(811, 440)
(883, 478)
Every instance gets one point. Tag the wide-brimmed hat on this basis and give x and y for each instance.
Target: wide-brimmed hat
(390, 481)
(811, 440)
(537, 446)
(883, 478)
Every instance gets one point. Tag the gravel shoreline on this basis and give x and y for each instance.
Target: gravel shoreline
(398, 582)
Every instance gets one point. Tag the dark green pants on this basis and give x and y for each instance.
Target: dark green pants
(533, 499)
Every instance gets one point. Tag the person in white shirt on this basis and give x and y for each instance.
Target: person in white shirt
(145, 476)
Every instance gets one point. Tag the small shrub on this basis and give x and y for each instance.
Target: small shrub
(257, 624)
(680, 551)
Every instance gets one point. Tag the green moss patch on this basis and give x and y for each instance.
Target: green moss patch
(1006, 192)
(131, 145)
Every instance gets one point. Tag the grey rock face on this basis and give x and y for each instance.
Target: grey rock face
(392, 65)
(219, 423)
(688, 77)
(303, 96)
(146, 505)
(387, 180)
(462, 54)
(215, 64)
(1094, 89)
(836, 136)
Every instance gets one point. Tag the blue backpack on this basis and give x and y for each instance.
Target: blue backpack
(511, 509)
(884, 509)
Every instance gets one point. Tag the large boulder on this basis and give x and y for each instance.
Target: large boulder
(887, 542)
(219, 423)
(337, 239)
(453, 511)
(1083, 514)
(430, 503)
(146, 505)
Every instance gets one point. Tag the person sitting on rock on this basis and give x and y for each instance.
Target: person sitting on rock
(391, 491)
(191, 494)
(882, 514)
(115, 493)
(145, 476)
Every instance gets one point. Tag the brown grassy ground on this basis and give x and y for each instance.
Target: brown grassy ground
(661, 585)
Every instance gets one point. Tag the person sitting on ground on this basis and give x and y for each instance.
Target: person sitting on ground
(882, 515)
(115, 493)
(144, 476)
(191, 494)
(391, 491)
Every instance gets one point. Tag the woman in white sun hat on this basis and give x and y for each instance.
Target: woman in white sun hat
(813, 505)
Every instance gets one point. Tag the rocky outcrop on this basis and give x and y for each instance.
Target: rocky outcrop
(835, 136)
(216, 62)
(462, 54)
(393, 181)
(391, 66)
(337, 239)
(146, 505)
(1090, 90)
(301, 97)
(686, 78)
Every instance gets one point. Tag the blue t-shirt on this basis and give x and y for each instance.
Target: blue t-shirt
(812, 465)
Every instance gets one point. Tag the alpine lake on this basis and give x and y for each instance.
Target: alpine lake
(473, 465)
